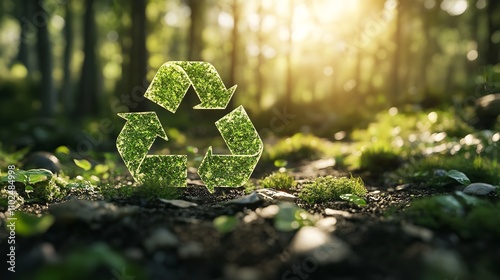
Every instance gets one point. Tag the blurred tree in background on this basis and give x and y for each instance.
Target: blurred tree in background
(331, 64)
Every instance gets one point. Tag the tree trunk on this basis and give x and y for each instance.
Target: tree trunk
(137, 83)
(88, 96)
(196, 27)
(67, 89)
(45, 62)
(235, 36)
(493, 25)
(260, 59)
(395, 86)
(24, 12)
(289, 72)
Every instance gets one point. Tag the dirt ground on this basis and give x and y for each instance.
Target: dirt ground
(162, 241)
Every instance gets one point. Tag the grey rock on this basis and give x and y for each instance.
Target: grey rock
(250, 199)
(440, 173)
(160, 238)
(479, 189)
(322, 247)
(326, 224)
(89, 211)
(190, 250)
(268, 212)
(43, 160)
(232, 271)
(178, 203)
(333, 212)
(270, 194)
(418, 232)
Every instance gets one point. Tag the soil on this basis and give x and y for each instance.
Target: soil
(382, 245)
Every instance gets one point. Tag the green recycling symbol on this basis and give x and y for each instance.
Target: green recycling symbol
(168, 88)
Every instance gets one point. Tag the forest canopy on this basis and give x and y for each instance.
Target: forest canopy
(331, 64)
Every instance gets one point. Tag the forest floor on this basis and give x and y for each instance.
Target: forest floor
(151, 239)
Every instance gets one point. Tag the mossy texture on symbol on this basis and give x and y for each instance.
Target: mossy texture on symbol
(167, 89)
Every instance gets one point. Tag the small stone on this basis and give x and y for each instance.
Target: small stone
(160, 238)
(403, 187)
(89, 211)
(43, 160)
(250, 199)
(440, 173)
(178, 203)
(479, 189)
(418, 232)
(232, 271)
(270, 194)
(268, 212)
(190, 250)
(317, 244)
(333, 212)
(326, 224)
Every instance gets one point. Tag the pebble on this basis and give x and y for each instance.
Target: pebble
(322, 247)
(268, 212)
(326, 224)
(479, 189)
(178, 203)
(160, 238)
(333, 212)
(89, 211)
(43, 160)
(250, 199)
(232, 271)
(270, 194)
(190, 250)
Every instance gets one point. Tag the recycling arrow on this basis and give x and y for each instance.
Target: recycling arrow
(171, 82)
(133, 143)
(245, 146)
(168, 88)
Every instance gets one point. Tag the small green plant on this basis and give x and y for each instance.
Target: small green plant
(225, 224)
(475, 169)
(36, 185)
(379, 158)
(290, 217)
(331, 188)
(279, 180)
(90, 172)
(463, 214)
(298, 147)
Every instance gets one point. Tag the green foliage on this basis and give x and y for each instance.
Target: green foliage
(465, 215)
(331, 188)
(36, 185)
(353, 199)
(11, 157)
(298, 147)
(89, 263)
(379, 158)
(291, 217)
(225, 224)
(83, 164)
(476, 169)
(28, 225)
(279, 180)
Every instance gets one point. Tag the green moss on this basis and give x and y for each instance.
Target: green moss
(379, 159)
(465, 215)
(298, 147)
(477, 169)
(278, 180)
(146, 191)
(331, 188)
